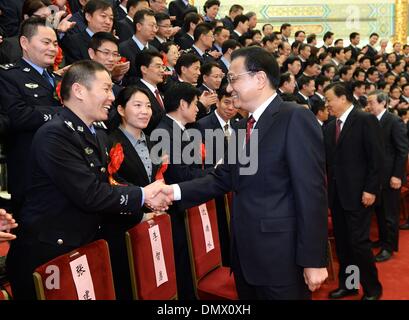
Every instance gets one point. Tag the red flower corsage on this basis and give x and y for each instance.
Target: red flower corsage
(116, 154)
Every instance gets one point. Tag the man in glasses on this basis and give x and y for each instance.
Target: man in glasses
(279, 226)
(103, 48)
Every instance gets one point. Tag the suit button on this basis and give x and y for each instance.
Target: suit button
(91, 165)
(60, 241)
(103, 170)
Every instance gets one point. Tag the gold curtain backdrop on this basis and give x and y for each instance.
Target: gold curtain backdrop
(388, 18)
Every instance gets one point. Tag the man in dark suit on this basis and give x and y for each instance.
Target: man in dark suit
(178, 9)
(227, 48)
(78, 18)
(395, 143)
(69, 180)
(100, 17)
(184, 39)
(145, 26)
(126, 26)
(353, 146)
(220, 123)
(307, 89)
(279, 229)
(150, 73)
(181, 107)
(10, 16)
(28, 99)
(122, 9)
(354, 39)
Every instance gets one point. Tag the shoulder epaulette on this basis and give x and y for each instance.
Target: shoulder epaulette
(100, 125)
(8, 66)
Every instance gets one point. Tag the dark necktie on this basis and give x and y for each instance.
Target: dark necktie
(159, 98)
(337, 130)
(47, 77)
(249, 127)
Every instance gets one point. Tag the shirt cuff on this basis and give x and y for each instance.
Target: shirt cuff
(143, 197)
(177, 194)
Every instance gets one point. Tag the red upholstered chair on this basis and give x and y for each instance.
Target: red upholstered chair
(142, 269)
(97, 254)
(212, 281)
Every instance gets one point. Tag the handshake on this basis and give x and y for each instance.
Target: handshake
(158, 196)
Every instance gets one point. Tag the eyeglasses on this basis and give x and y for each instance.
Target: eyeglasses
(232, 78)
(115, 55)
(152, 25)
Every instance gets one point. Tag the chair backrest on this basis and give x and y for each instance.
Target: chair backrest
(141, 260)
(203, 261)
(59, 269)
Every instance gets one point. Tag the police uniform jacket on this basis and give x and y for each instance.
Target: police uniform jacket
(29, 100)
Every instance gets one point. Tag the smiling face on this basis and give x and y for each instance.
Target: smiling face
(98, 98)
(137, 112)
(100, 20)
(41, 49)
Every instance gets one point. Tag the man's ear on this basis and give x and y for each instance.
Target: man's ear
(78, 91)
(24, 42)
(91, 53)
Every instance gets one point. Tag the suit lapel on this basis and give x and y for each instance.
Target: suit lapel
(266, 120)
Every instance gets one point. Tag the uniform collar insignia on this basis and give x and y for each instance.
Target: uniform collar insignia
(69, 125)
(26, 69)
(88, 151)
(80, 129)
(31, 85)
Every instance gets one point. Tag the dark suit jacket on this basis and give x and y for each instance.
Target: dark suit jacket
(10, 50)
(75, 47)
(395, 143)
(121, 13)
(354, 164)
(157, 111)
(223, 66)
(178, 8)
(126, 29)
(129, 50)
(185, 41)
(80, 23)
(281, 209)
(11, 16)
(355, 52)
(301, 100)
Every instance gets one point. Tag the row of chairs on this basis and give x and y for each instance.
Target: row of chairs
(211, 280)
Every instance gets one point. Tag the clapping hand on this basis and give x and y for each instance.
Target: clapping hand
(154, 198)
(6, 224)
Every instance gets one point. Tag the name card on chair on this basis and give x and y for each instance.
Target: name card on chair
(207, 227)
(82, 278)
(157, 255)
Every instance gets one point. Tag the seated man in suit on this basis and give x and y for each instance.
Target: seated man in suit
(203, 36)
(164, 32)
(103, 48)
(185, 38)
(69, 180)
(145, 31)
(126, 26)
(181, 107)
(99, 15)
(150, 72)
(211, 76)
(227, 48)
(78, 18)
(224, 119)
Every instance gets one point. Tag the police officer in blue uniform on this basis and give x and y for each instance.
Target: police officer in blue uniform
(69, 190)
(28, 98)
